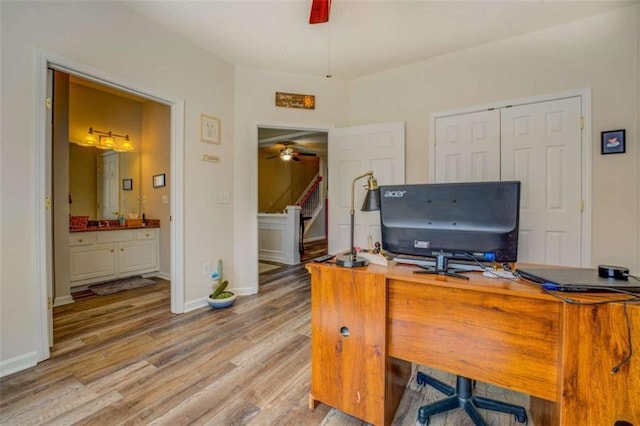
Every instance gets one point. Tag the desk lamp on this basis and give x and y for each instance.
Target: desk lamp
(371, 203)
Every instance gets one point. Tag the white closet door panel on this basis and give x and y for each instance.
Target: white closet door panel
(540, 145)
(468, 147)
(354, 151)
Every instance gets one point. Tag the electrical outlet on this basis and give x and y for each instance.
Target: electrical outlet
(206, 268)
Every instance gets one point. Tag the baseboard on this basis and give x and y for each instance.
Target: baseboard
(199, 303)
(64, 300)
(195, 304)
(162, 275)
(18, 363)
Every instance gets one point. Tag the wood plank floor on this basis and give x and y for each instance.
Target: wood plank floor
(125, 359)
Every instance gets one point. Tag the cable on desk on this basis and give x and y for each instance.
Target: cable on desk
(634, 298)
(626, 359)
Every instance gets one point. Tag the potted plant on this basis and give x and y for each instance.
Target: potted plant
(220, 298)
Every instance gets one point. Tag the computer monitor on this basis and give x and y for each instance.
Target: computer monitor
(460, 221)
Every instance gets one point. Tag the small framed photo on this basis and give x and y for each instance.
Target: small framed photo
(127, 184)
(209, 129)
(159, 181)
(613, 142)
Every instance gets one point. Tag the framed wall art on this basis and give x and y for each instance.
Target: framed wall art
(613, 142)
(159, 181)
(209, 129)
(127, 184)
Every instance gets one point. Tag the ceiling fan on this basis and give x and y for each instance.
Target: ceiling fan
(287, 153)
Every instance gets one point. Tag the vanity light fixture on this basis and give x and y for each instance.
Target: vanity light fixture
(106, 140)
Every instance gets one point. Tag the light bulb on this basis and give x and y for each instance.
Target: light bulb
(107, 142)
(89, 140)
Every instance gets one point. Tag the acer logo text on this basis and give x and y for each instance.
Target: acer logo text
(394, 194)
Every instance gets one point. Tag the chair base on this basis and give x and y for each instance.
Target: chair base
(461, 397)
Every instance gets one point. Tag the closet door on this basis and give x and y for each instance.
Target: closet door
(541, 147)
(538, 144)
(468, 147)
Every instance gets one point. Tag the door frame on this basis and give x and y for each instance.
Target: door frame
(586, 149)
(253, 263)
(43, 230)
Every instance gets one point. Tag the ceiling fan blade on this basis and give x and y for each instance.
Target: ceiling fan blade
(309, 154)
(273, 156)
(295, 158)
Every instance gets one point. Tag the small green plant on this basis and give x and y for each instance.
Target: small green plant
(218, 292)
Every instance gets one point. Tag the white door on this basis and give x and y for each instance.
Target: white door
(538, 144)
(108, 189)
(354, 151)
(541, 147)
(468, 147)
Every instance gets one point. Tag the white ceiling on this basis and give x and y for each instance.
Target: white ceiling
(362, 37)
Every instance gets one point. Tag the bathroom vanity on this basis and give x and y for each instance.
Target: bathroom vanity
(108, 253)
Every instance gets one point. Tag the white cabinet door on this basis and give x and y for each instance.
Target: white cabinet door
(137, 256)
(141, 255)
(354, 151)
(468, 147)
(92, 261)
(541, 147)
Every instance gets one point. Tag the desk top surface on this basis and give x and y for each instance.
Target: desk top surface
(476, 282)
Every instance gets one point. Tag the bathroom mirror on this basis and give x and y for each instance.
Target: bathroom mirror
(96, 182)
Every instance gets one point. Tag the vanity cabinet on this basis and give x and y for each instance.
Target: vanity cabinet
(98, 256)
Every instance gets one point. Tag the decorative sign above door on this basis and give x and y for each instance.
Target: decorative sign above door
(294, 100)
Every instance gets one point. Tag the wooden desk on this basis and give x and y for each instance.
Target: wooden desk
(369, 324)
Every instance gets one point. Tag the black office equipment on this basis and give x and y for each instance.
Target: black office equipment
(452, 221)
(474, 222)
(575, 279)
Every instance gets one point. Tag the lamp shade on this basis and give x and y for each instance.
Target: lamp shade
(107, 142)
(371, 200)
(89, 140)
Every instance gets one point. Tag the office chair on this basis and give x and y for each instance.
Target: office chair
(461, 397)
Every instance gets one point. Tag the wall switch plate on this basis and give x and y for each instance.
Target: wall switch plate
(165, 199)
(223, 197)
(206, 268)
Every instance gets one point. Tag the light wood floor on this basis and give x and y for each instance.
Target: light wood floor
(125, 359)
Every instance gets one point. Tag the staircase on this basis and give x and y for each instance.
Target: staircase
(311, 203)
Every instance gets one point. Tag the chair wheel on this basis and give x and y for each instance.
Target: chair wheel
(421, 379)
(521, 419)
(426, 423)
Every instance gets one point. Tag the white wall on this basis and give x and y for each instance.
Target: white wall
(599, 52)
(109, 37)
(155, 159)
(255, 104)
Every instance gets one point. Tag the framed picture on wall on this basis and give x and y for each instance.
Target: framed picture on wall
(159, 181)
(127, 184)
(613, 142)
(209, 129)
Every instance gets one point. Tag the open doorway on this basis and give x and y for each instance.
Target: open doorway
(95, 185)
(174, 129)
(292, 173)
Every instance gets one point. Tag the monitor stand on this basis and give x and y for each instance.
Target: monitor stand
(442, 268)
